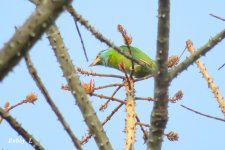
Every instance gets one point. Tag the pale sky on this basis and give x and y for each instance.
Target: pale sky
(189, 20)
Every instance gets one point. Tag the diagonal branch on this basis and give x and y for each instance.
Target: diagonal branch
(212, 85)
(77, 90)
(20, 130)
(26, 36)
(101, 38)
(220, 18)
(200, 52)
(159, 115)
(197, 112)
(86, 138)
(40, 85)
(81, 40)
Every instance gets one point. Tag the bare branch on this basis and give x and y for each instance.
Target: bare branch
(28, 34)
(104, 106)
(20, 130)
(77, 90)
(200, 52)
(143, 124)
(220, 18)
(208, 78)
(98, 74)
(109, 97)
(130, 114)
(159, 115)
(197, 112)
(81, 40)
(145, 132)
(40, 85)
(87, 137)
(109, 85)
(100, 37)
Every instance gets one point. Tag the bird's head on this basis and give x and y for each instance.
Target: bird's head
(97, 61)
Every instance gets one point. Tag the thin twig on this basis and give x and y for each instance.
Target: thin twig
(100, 37)
(177, 96)
(142, 124)
(197, 112)
(98, 74)
(16, 105)
(144, 98)
(142, 128)
(143, 78)
(109, 85)
(87, 137)
(220, 18)
(81, 40)
(221, 66)
(104, 106)
(182, 52)
(108, 97)
(78, 31)
(112, 113)
(40, 85)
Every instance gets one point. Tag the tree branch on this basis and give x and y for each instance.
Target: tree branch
(40, 85)
(200, 52)
(197, 112)
(29, 33)
(101, 38)
(20, 130)
(212, 85)
(77, 90)
(159, 115)
(220, 18)
(130, 114)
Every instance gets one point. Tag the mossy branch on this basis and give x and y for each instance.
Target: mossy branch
(77, 90)
(159, 115)
(20, 130)
(29, 33)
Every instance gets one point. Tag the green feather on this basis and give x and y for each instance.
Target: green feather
(111, 58)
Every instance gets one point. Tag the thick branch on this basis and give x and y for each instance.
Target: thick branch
(29, 33)
(77, 90)
(159, 114)
(200, 52)
(20, 130)
(130, 115)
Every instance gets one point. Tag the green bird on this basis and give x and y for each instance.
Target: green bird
(111, 58)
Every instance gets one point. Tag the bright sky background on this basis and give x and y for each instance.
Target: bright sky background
(189, 19)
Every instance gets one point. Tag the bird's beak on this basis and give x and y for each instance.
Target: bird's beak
(95, 62)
